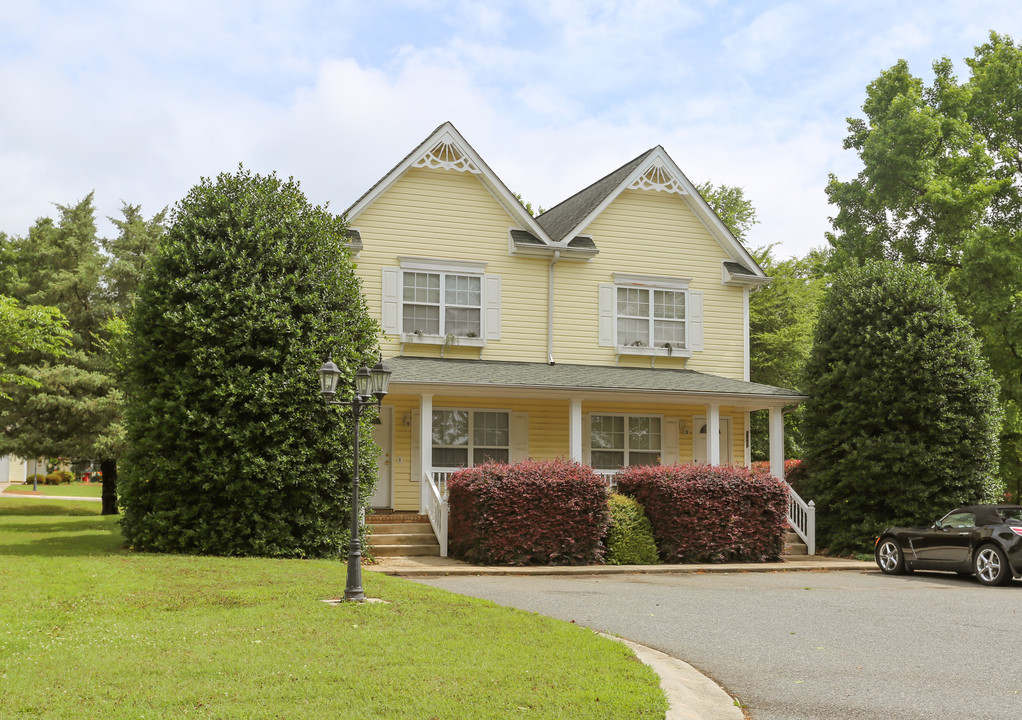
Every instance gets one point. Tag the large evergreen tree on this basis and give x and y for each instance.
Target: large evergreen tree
(902, 420)
(232, 450)
(941, 187)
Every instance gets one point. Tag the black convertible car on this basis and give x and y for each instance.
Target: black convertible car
(984, 540)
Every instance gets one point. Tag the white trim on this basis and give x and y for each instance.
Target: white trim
(575, 431)
(460, 267)
(746, 340)
(726, 278)
(657, 282)
(709, 219)
(448, 133)
(459, 341)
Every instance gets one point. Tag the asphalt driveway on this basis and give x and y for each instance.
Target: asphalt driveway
(814, 645)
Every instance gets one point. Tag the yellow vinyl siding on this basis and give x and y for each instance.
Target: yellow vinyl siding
(548, 429)
(451, 215)
(650, 233)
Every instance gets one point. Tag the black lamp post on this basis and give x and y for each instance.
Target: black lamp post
(370, 388)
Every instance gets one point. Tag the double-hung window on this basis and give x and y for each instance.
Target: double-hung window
(463, 438)
(625, 440)
(650, 315)
(442, 304)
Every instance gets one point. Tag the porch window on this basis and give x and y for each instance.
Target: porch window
(625, 440)
(463, 438)
(442, 304)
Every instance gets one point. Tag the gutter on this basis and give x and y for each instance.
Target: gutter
(550, 308)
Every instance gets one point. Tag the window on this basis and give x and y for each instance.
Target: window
(624, 440)
(442, 304)
(651, 318)
(463, 438)
(651, 315)
(433, 301)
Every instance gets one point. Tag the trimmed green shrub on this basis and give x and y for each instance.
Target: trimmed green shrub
(902, 421)
(54, 478)
(528, 513)
(630, 536)
(702, 513)
(232, 449)
(37, 479)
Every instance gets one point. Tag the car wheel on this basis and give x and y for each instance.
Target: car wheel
(890, 559)
(991, 565)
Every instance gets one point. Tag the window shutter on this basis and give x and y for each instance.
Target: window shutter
(607, 303)
(416, 459)
(695, 320)
(391, 300)
(670, 453)
(519, 436)
(491, 307)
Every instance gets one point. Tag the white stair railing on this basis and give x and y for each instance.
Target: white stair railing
(435, 507)
(802, 519)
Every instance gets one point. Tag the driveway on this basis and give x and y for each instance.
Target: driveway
(813, 645)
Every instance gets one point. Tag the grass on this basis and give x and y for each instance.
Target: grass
(75, 489)
(89, 629)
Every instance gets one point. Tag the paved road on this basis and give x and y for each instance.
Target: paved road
(813, 645)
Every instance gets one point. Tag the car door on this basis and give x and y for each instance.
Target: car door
(947, 544)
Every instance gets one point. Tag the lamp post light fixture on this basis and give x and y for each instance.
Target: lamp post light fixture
(370, 389)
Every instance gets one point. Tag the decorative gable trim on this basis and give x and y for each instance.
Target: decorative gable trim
(447, 154)
(656, 171)
(659, 178)
(446, 149)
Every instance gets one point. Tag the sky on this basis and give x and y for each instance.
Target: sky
(137, 101)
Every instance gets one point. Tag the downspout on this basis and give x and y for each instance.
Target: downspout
(550, 309)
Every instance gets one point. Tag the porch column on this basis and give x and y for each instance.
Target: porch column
(777, 442)
(575, 431)
(425, 446)
(713, 434)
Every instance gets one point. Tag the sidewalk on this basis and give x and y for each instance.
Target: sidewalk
(41, 496)
(411, 567)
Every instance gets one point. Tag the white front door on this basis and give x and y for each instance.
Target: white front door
(383, 436)
(700, 449)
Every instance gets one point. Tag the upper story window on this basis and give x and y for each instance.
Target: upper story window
(442, 304)
(441, 301)
(651, 315)
(624, 440)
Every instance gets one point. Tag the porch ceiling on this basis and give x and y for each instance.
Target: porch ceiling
(493, 378)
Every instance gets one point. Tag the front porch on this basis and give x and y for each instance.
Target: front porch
(444, 414)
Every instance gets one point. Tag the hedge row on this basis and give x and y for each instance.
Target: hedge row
(529, 513)
(556, 513)
(711, 514)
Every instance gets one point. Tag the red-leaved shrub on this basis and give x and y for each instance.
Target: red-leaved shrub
(528, 513)
(794, 471)
(701, 513)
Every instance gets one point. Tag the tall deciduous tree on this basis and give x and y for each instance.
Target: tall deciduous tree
(941, 186)
(902, 419)
(232, 450)
(34, 329)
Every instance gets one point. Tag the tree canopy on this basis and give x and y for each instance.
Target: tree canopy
(941, 187)
(232, 450)
(902, 419)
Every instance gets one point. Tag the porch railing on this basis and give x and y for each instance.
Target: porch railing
(802, 519)
(434, 506)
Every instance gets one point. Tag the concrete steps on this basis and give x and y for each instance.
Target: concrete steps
(405, 536)
(794, 547)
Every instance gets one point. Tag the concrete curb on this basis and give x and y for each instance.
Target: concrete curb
(690, 694)
(412, 567)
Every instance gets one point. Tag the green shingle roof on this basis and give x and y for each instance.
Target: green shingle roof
(501, 374)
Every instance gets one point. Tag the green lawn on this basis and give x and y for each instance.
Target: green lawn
(88, 629)
(75, 489)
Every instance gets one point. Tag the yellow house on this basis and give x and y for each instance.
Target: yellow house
(613, 329)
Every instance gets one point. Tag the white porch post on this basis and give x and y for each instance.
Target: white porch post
(425, 446)
(777, 442)
(713, 434)
(575, 431)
